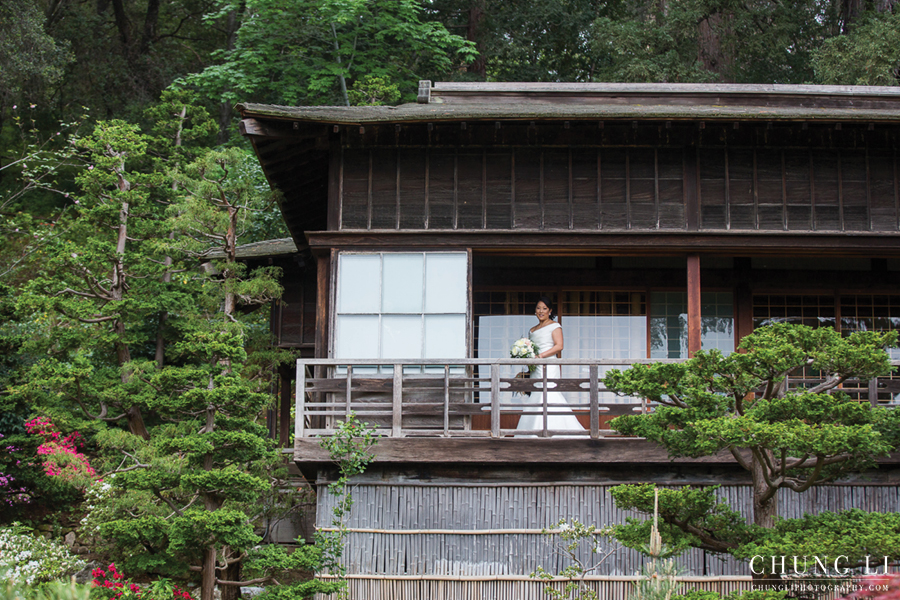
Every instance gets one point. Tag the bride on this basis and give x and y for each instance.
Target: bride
(548, 336)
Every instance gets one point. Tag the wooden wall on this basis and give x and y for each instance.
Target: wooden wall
(620, 188)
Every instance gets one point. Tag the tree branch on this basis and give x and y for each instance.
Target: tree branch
(174, 508)
(244, 583)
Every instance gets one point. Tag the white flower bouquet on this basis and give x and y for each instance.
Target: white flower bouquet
(524, 348)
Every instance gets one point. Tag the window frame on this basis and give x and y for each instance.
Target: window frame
(336, 297)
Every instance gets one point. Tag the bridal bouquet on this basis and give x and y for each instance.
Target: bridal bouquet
(524, 348)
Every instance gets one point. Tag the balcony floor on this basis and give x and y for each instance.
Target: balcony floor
(509, 451)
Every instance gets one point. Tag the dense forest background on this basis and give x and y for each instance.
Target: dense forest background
(121, 172)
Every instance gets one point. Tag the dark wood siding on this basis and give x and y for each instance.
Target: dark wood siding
(620, 189)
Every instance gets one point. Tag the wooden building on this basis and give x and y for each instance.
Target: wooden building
(661, 219)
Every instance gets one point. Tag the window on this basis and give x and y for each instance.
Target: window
(405, 305)
(668, 323)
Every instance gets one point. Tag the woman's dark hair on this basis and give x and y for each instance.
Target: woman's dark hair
(549, 303)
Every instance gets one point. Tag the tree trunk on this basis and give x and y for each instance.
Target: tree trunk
(151, 21)
(712, 57)
(765, 509)
(136, 422)
(123, 25)
(473, 34)
(232, 26)
(208, 575)
(232, 573)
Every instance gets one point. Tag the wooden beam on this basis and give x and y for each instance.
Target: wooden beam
(594, 243)
(281, 129)
(510, 450)
(693, 295)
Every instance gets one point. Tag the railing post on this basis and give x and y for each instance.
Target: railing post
(347, 405)
(594, 374)
(544, 399)
(397, 416)
(300, 412)
(446, 400)
(873, 391)
(495, 400)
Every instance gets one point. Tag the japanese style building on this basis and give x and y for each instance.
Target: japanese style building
(661, 219)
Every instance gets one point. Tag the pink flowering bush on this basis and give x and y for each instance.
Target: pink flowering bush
(110, 584)
(62, 456)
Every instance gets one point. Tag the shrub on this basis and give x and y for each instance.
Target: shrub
(29, 559)
(110, 584)
(62, 454)
(55, 590)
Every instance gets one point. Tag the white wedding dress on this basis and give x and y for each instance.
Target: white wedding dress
(559, 415)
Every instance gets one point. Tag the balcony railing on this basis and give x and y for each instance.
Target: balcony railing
(461, 398)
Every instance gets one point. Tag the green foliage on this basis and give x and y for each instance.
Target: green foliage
(853, 534)
(697, 595)
(658, 581)
(709, 403)
(349, 447)
(785, 438)
(633, 52)
(331, 45)
(868, 55)
(29, 559)
(696, 518)
(373, 91)
(516, 43)
(11, 589)
(570, 539)
(707, 516)
(272, 560)
(31, 60)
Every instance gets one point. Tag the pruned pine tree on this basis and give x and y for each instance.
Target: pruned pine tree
(784, 437)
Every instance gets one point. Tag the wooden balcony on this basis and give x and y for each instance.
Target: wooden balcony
(466, 410)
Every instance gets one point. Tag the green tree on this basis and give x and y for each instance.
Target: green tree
(191, 497)
(98, 286)
(31, 61)
(869, 54)
(330, 46)
(785, 438)
(714, 41)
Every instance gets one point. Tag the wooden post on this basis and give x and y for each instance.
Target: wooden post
(544, 401)
(873, 391)
(693, 301)
(299, 416)
(397, 417)
(743, 300)
(495, 401)
(594, 375)
(349, 389)
(446, 400)
(284, 408)
(323, 285)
